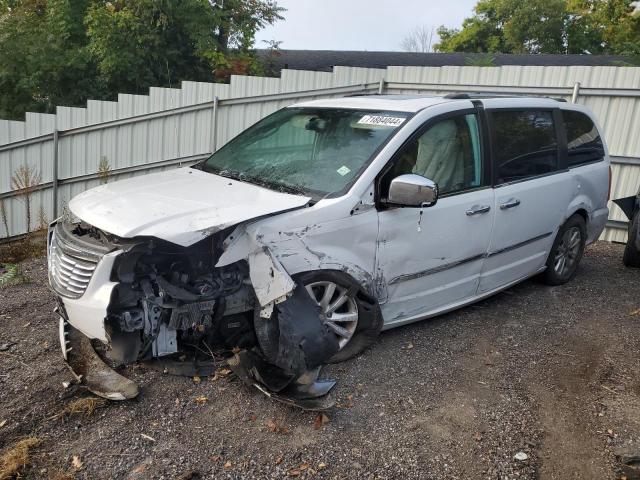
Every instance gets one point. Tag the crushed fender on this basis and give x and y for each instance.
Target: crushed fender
(294, 345)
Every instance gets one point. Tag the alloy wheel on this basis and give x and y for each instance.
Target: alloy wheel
(567, 252)
(338, 307)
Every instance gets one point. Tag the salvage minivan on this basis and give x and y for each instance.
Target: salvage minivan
(324, 223)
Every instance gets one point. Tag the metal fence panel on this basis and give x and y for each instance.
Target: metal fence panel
(208, 115)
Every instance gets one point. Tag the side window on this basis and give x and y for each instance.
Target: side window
(448, 153)
(583, 140)
(524, 144)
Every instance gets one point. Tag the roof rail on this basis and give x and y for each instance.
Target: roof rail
(480, 96)
(363, 94)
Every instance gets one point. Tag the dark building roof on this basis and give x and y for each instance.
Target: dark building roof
(325, 60)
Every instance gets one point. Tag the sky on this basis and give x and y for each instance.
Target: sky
(359, 24)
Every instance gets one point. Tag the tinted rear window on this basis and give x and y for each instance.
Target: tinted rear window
(525, 144)
(583, 140)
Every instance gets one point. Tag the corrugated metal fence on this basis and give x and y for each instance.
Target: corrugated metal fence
(172, 127)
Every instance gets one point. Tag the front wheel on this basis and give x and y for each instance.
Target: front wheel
(352, 316)
(566, 252)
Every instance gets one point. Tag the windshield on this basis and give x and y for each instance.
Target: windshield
(314, 151)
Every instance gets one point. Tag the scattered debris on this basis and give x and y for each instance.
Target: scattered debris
(221, 373)
(296, 472)
(141, 468)
(635, 312)
(201, 400)
(2, 423)
(76, 463)
(228, 464)
(190, 475)
(321, 420)
(279, 460)
(6, 346)
(521, 456)
(275, 428)
(151, 439)
(16, 457)
(608, 389)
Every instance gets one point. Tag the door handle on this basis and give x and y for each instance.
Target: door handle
(511, 203)
(478, 209)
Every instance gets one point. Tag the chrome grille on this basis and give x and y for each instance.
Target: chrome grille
(70, 265)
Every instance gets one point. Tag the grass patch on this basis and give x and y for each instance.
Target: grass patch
(15, 458)
(11, 274)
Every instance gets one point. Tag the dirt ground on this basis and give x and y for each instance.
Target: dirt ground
(551, 373)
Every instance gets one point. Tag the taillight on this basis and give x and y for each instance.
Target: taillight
(609, 194)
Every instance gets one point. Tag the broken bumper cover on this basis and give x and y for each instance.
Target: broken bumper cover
(89, 369)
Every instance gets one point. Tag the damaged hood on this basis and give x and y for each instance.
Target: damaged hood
(181, 205)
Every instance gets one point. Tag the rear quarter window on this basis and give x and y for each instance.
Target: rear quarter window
(584, 144)
(525, 144)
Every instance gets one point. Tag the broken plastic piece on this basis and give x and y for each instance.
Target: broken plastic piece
(270, 380)
(627, 205)
(90, 370)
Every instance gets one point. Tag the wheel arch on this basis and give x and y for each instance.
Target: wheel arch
(583, 213)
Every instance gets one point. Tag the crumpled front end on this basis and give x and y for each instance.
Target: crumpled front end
(150, 300)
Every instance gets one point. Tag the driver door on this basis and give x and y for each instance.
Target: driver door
(430, 259)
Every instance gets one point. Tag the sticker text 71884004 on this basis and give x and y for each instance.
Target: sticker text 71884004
(381, 121)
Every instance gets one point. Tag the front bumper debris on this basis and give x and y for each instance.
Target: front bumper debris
(89, 369)
(300, 346)
(305, 392)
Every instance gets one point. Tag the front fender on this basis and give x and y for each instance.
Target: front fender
(347, 244)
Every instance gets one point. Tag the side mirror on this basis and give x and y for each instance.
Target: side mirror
(411, 190)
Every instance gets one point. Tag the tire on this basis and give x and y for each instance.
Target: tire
(559, 272)
(369, 319)
(631, 256)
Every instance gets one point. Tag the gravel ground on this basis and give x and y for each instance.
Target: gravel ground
(550, 373)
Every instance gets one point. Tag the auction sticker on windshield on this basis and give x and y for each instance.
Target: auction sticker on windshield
(343, 170)
(381, 121)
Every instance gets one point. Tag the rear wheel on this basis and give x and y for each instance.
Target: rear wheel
(349, 313)
(631, 256)
(566, 252)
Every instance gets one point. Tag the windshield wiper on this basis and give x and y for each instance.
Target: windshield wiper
(273, 185)
(262, 182)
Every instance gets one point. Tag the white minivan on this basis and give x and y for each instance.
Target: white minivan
(326, 222)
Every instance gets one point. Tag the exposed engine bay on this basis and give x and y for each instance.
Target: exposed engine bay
(168, 300)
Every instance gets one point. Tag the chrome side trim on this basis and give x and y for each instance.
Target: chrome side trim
(447, 266)
(430, 271)
(518, 245)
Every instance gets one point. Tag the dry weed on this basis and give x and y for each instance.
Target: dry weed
(16, 457)
(82, 406)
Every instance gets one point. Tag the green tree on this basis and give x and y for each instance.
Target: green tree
(42, 56)
(546, 26)
(140, 43)
(62, 52)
